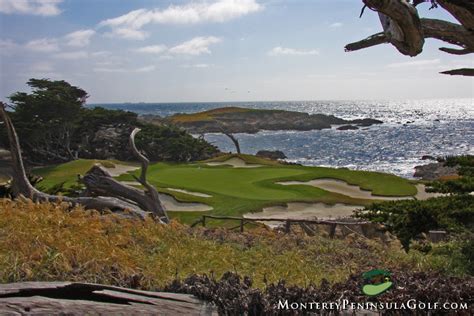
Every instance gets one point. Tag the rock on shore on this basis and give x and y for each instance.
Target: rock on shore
(243, 120)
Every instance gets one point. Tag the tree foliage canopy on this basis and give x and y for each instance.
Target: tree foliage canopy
(54, 126)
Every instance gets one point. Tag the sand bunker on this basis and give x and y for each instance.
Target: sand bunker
(354, 191)
(423, 195)
(118, 170)
(234, 162)
(190, 192)
(171, 204)
(299, 210)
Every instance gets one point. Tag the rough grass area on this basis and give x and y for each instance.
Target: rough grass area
(45, 242)
(206, 115)
(236, 191)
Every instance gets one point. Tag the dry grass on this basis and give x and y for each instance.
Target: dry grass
(205, 115)
(47, 242)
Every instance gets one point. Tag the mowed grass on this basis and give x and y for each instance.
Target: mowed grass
(236, 191)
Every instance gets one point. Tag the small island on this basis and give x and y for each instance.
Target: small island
(245, 120)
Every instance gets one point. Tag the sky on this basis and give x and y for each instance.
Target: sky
(216, 51)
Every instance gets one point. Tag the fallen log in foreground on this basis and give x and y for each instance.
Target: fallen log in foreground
(67, 298)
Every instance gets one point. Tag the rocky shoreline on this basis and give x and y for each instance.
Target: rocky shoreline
(244, 120)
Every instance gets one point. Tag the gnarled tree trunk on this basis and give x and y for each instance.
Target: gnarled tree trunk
(106, 193)
(404, 29)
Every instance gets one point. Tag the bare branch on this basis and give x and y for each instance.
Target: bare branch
(151, 191)
(455, 51)
(442, 30)
(401, 24)
(370, 41)
(462, 10)
(459, 72)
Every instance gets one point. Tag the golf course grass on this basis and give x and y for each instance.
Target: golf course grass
(236, 191)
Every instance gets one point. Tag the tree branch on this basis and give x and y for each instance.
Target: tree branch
(118, 196)
(462, 10)
(459, 72)
(370, 41)
(442, 30)
(401, 24)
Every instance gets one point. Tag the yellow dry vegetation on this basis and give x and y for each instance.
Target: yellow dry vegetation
(45, 242)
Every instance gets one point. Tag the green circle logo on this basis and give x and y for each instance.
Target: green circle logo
(376, 282)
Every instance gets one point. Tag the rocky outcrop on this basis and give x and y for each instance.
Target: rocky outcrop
(242, 120)
(435, 171)
(347, 128)
(274, 155)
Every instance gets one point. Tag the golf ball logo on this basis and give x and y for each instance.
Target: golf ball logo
(376, 282)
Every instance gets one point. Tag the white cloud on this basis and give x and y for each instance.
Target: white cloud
(7, 46)
(79, 38)
(129, 25)
(104, 69)
(196, 46)
(124, 70)
(336, 25)
(415, 63)
(128, 33)
(42, 67)
(33, 7)
(153, 49)
(282, 51)
(72, 55)
(43, 45)
(146, 69)
(199, 66)
(101, 53)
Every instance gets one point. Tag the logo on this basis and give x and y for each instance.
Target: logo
(376, 282)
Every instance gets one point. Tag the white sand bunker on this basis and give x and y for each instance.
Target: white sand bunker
(354, 191)
(171, 204)
(234, 162)
(423, 195)
(190, 192)
(118, 170)
(299, 210)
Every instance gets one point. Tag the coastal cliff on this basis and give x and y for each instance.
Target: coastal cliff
(243, 120)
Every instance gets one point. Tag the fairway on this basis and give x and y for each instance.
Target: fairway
(236, 191)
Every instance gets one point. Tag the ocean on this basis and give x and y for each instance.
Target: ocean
(411, 129)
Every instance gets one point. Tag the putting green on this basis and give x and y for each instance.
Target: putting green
(236, 191)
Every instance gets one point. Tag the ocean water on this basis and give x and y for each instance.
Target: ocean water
(411, 129)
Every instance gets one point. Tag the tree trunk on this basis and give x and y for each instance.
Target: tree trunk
(109, 193)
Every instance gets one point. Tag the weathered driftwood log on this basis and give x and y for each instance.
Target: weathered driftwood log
(65, 298)
(403, 28)
(108, 194)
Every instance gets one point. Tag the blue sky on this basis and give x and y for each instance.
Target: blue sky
(216, 50)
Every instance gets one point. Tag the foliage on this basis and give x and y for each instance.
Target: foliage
(464, 184)
(54, 126)
(45, 242)
(169, 143)
(46, 118)
(410, 218)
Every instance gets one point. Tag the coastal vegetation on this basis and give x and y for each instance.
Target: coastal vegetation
(50, 241)
(454, 213)
(55, 126)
